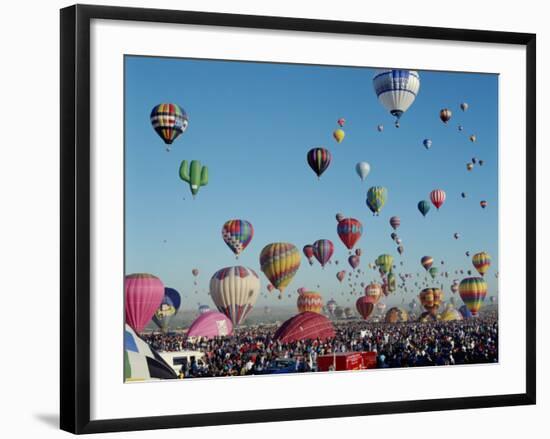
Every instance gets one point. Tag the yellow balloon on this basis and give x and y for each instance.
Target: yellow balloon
(338, 135)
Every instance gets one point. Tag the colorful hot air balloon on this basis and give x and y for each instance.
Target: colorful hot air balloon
(364, 306)
(392, 284)
(323, 250)
(143, 294)
(234, 290)
(280, 261)
(319, 160)
(445, 115)
(396, 315)
(169, 306)
(376, 198)
(354, 261)
(310, 301)
(437, 196)
(430, 299)
(483, 204)
(308, 253)
(384, 263)
(210, 324)
(349, 230)
(373, 292)
(427, 143)
(341, 121)
(427, 262)
(481, 262)
(341, 275)
(362, 169)
(395, 222)
(464, 106)
(472, 291)
(424, 207)
(339, 135)
(169, 121)
(396, 90)
(237, 234)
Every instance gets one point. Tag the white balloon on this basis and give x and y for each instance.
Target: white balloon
(362, 169)
(396, 90)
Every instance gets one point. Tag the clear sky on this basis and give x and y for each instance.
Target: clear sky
(252, 125)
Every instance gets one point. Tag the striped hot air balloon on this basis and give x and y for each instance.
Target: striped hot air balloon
(376, 198)
(234, 291)
(319, 160)
(473, 291)
(395, 222)
(430, 299)
(279, 262)
(481, 262)
(364, 306)
(373, 292)
(310, 301)
(349, 230)
(396, 90)
(323, 250)
(143, 294)
(437, 196)
(169, 121)
(237, 234)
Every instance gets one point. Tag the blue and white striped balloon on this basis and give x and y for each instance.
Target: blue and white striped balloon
(396, 90)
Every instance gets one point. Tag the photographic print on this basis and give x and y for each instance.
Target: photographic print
(292, 218)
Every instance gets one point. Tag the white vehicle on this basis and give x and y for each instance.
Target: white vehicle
(178, 359)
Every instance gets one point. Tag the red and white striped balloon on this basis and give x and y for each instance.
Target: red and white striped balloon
(438, 197)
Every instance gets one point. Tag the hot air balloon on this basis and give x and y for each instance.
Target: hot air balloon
(392, 285)
(341, 121)
(354, 261)
(463, 194)
(362, 169)
(195, 272)
(305, 326)
(373, 292)
(310, 301)
(474, 160)
(400, 250)
(424, 207)
(143, 294)
(466, 314)
(460, 128)
(376, 198)
(454, 288)
(456, 235)
(364, 306)
(451, 314)
(396, 315)
(427, 143)
(339, 135)
(234, 290)
(349, 230)
(396, 90)
(279, 262)
(308, 253)
(430, 299)
(445, 115)
(464, 106)
(358, 252)
(481, 262)
(319, 160)
(481, 162)
(237, 234)
(169, 121)
(323, 250)
(194, 174)
(393, 236)
(433, 272)
(210, 324)
(203, 309)
(339, 217)
(469, 166)
(493, 299)
(341, 275)
(380, 128)
(331, 306)
(473, 138)
(472, 291)
(437, 196)
(169, 306)
(427, 262)
(384, 263)
(339, 312)
(348, 312)
(483, 204)
(395, 222)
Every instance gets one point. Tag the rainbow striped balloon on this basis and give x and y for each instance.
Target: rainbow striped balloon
(323, 250)
(482, 262)
(280, 261)
(237, 234)
(473, 291)
(169, 121)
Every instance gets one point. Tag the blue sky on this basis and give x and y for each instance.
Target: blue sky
(252, 125)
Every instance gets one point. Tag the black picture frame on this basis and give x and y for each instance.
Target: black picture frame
(75, 217)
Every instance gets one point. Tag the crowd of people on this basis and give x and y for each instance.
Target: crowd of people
(252, 350)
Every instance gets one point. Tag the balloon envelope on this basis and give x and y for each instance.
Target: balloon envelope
(143, 294)
(305, 326)
(210, 324)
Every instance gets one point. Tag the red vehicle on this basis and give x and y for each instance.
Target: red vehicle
(346, 361)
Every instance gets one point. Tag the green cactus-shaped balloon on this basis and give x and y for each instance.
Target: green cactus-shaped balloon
(194, 174)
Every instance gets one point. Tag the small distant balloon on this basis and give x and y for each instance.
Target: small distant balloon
(483, 204)
(341, 121)
(338, 135)
(445, 115)
(464, 106)
(427, 143)
(473, 138)
(380, 128)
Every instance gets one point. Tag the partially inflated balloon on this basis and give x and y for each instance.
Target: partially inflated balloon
(234, 290)
(237, 234)
(349, 230)
(472, 291)
(362, 169)
(323, 250)
(169, 121)
(481, 262)
(339, 135)
(396, 90)
(143, 294)
(424, 207)
(319, 160)
(376, 198)
(280, 261)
